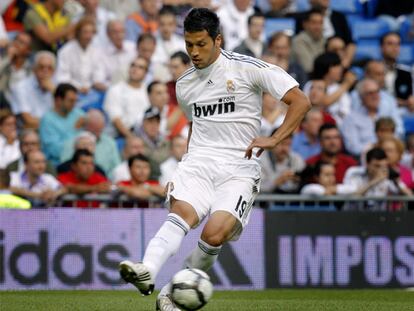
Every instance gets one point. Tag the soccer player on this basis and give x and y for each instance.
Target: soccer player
(219, 176)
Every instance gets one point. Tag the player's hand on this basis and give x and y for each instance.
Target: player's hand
(259, 142)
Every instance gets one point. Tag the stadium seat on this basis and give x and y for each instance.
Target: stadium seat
(406, 54)
(351, 18)
(368, 28)
(367, 49)
(370, 7)
(273, 25)
(302, 5)
(405, 29)
(358, 71)
(408, 124)
(347, 6)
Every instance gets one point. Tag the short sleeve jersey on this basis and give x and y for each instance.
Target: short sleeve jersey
(224, 102)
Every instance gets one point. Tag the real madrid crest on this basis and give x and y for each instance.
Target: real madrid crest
(230, 86)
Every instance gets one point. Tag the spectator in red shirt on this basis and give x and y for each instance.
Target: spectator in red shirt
(83, 179)
(140, 186)
(331, 151)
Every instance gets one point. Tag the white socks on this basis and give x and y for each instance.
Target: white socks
(165, 243)
(203, 256)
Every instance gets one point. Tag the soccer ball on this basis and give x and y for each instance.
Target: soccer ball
(191, 289)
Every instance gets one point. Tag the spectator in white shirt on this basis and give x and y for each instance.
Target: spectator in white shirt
(33, 96)
(126, 102)
(15, 65)
(168, 42)
(337, 102)
(33, 183)
(171, 116)
(168, 167)
(9, 144)
(118, 53)
(80, 62)
(375, 179)
(146, 45)
(324, 174)
(133, 145)
(121, 8)
(29, 140)
(281, 167)
(233, 19)
(102, 17)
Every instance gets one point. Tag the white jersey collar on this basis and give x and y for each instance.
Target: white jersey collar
(209, 68)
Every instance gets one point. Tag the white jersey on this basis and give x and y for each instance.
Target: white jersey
(224, 102)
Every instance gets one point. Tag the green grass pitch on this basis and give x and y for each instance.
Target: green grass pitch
(274, 300)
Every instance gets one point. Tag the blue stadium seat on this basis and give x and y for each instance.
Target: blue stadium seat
(273, 25)
(302, 5)
(368, 29)
(367, 49)
(408, 124)
(358, 71)
(351, 18)
(406, 54)
(405, 29)
(347, 6)
(370, 7)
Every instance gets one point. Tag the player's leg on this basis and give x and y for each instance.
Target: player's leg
(218, 229)
(163, 245)
(230, 213)
(189, 198)
(168, 239)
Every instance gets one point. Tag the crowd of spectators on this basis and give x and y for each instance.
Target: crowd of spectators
(88, 106)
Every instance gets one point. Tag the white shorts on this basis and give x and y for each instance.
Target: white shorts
(210, 186)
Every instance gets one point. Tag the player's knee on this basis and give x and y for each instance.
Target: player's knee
(213, 238)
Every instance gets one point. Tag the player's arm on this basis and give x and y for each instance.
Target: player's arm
(298, 106)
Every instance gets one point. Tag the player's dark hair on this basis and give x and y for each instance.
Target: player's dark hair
(152, 85)
(200, 19)
(383, 37)
(80, 153)
(326, 126)
(375, 154)
(185, 59)
(137, 157)
(322, 63)
(254, 15)
(63, 88)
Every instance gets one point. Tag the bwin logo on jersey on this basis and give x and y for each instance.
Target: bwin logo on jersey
(224, 105)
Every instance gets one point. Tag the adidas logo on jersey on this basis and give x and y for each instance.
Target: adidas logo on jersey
(210, 83)
(224, 105)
